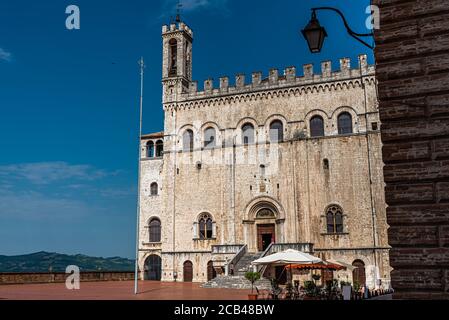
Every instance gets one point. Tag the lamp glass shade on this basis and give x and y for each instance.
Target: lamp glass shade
(314, 34)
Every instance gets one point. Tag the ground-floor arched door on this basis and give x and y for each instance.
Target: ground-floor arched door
(153, 268)
(358, 274)
(211, 273)
(188, 271)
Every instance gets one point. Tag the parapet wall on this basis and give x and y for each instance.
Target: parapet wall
(289, 78)
(59, 277)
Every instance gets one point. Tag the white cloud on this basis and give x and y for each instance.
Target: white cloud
(36, 206)
(5, 55)
(48, 172)
(192, 5)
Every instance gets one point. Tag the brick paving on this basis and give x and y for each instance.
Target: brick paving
(119, 291)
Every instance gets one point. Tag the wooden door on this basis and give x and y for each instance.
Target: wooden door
(358, 274)
(266, 234)
(211, 273)
(188, 271)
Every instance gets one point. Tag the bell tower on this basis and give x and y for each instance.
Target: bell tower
(177, 41)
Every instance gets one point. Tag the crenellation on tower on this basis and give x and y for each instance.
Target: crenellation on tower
(208, 85)
(256, 78)
(288, 78)
(240, 81)
(345, 66)
(273, 76)
(363, 63)
(290, 74)
(193, 89)
(177, 60)
(308, 70)
(224, 84)
(326, 68)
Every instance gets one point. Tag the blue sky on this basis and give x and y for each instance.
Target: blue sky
(69, 102)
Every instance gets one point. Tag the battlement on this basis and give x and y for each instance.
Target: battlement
(275, 80)
(176, 27)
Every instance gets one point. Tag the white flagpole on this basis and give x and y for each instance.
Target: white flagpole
(136, 274)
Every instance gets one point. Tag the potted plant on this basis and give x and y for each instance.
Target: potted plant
(357, 287)
(252, 277)
(316, 277)
(311, 290)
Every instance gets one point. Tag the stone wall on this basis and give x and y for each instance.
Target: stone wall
(413, 72)
(28, 278)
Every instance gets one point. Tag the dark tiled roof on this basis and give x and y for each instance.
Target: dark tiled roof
(153, 135)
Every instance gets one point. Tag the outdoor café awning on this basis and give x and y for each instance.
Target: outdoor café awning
(287, 257)
(317, 266)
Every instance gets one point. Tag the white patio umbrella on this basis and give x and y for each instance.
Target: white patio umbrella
(346, 265)
(287, 257)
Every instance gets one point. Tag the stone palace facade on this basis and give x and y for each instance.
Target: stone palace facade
(263, 165)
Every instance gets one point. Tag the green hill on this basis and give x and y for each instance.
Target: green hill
(43, 261)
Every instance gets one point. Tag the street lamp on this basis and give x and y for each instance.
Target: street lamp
(315, 34)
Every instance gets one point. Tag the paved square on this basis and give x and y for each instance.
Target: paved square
(119, 291)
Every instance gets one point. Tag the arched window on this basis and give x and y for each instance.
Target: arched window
(150, 149)
(334, 220)
(159, 148)
(187, 141)
(317, 127)
(344, 123)
(154, 189)
(155, 230)
(276, 131)
(206, 226)
(173, 63)
(248, 134)
(209, 138)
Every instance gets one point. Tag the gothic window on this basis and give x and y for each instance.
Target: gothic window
(150, 149)
(334, 219)
(209, 138)
(155, 230)
(276, 131)
(173, 63)
(159, 148)
(187, 141)
(248, 134)
(344, 123)
(317, 127)
(205, 227)
(154, 189)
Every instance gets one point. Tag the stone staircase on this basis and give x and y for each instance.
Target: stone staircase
(238, 281)
(244, 264)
